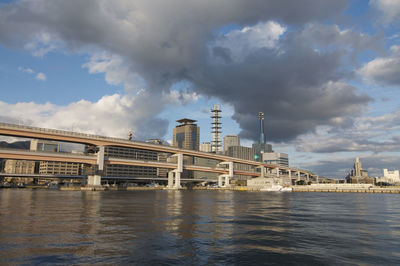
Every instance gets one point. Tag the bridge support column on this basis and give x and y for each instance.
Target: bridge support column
(290, 174)
(170, 179)
(220, 183)
(298, 175)
(262, 171)
(308, 177)
(94, 180)
(317, 179)
(277, 172)
(100, 158)
(176, 173)
(228, 176)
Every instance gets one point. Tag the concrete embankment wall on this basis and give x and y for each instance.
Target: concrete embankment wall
(347, 188)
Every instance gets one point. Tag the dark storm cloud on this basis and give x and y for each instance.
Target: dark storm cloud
(297, 84)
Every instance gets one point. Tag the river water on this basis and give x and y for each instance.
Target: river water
(198, 227)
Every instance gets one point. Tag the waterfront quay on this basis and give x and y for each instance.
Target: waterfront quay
(338, 188)
(346, 188)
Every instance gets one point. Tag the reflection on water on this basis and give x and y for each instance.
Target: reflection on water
(198, 227)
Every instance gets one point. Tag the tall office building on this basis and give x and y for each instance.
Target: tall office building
(186, 135)
(229, 141)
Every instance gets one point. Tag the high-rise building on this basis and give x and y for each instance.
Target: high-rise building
(216, 128)
(229, 141)
(358, 175)
(205, 147)
(186, 135)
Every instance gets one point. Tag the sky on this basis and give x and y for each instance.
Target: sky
(325, 73)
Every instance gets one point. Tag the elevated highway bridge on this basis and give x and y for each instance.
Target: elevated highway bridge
(224, 169)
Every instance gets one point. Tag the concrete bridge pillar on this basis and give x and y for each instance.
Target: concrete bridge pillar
(176, 173)
(100, 158)
(290, 174)
(227, 177)
(220, 184)
(262, 170)
(277, 172)
(308, 177)
(298, 175)
(170, 179)
(94, 180)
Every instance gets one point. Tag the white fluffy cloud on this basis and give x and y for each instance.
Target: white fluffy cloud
(117, 71)
(383, 70)
(112, 115)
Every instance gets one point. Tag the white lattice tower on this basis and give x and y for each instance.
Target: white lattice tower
(216, 128)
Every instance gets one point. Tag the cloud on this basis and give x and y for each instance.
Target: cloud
(241, 42)
(41, 76)
(117, 71)
(112, 115)
(389, 8)
(276, 57)
(42, 43)
(377, 134)
(383, 70)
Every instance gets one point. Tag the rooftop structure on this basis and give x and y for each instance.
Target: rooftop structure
(185, 121)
